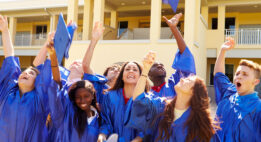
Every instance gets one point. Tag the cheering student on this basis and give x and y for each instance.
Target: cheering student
(23, 96)
(185, 67)
(81, 69)
(239, 107)
(111, 73)
(74, 110)
(115, 102)
(184, 118)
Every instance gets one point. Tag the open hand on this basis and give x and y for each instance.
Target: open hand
(3, 23)
(229, 44)
(97, 31)
(148, 60)
(173, 22)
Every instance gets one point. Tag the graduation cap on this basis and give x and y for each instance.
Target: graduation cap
(172, 3)
(63, 38)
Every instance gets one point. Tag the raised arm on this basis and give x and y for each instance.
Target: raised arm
(41, 56)
(7, 42)
(172, 23)
(97, 32)
(147, 63)
(220, 62)
(54, 63)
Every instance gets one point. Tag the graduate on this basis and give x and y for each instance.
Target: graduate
(115, 102)
(23, 96)
(57, 133)
(157, 73)
(74, 113)
(111, 73)
(184, 118)
(239, 107)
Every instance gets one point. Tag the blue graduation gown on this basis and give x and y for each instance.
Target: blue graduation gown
(184, 65)
(113, 110)
(240, 116)
(99, 83)
(23, 118)
(143, 114)
(62, 114)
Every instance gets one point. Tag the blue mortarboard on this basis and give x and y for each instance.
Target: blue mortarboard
(63, 39)
(172, 3)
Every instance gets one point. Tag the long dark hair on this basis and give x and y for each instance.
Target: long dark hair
(80, 116)
(199, 123)
(119, 82)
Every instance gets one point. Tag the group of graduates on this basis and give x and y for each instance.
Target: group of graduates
(48, 102)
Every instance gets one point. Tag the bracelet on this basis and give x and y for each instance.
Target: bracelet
(144, 75)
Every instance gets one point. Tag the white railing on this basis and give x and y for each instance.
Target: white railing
(245, 36)
(1, 40)
(25, 39)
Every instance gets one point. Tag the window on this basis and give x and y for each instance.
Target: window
(230, 23)
(123, 25)
(214, 23)
(41, 31)
(229, 72)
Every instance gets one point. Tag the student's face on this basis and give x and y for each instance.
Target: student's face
(27, 78)
(245, 80)
(113, 73)
(83, 98)
(157, 70)
(76, 67)
(131, 73)
(186, 85)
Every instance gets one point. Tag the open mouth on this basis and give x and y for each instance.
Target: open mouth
(83, 105)
(238, 85)
(130, 76)
(25, 77)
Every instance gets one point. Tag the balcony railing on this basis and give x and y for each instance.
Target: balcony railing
(27, 39)
(245, 36)
(1, 40)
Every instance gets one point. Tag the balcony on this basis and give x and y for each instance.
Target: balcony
(247, 36)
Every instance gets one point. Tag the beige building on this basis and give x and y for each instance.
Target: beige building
(134, 27)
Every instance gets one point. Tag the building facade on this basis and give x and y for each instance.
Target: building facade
(134, 27)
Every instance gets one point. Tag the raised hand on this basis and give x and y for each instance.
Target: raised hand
(50, 43)
(173, 22)
(3, 23)
(148, 61)
(97, 31)
(101, 138)
(229, 44)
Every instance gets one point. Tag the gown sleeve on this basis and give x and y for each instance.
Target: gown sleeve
(223, 87)
(99, 83)
(184, 65)
(144, 112)
(10, 70)
(58, 101)
(106, 126)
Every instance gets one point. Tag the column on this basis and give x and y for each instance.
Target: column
(99, 6)
(113, 23)
(204, 13)
(53, 22)
(155, 20)
(87, 19)
(12, 27)
(192, 11)
(221, 25)
(72, 13)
